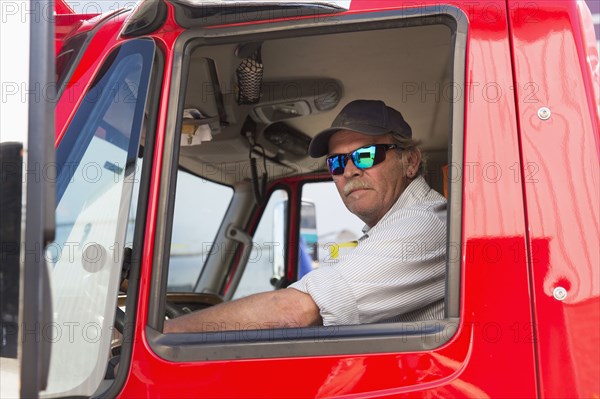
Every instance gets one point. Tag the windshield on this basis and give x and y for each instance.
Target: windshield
(96, 163)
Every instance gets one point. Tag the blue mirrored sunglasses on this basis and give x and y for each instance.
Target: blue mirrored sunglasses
(364, 158)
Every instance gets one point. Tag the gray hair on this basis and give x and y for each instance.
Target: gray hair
(406, 144)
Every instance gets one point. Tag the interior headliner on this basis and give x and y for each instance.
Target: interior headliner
(410, 68)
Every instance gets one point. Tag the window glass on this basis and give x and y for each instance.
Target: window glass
(327, 230)
(200, 206)
(96, 163)
(266, 259)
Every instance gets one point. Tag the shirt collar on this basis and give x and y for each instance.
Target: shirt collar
(411, 195)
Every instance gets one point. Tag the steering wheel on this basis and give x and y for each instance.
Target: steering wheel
(171, 311)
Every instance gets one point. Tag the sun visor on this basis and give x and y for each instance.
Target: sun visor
(205, 96)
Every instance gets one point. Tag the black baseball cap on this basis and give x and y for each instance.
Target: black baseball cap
(370, 117)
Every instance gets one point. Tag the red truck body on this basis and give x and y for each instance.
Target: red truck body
(529, 260)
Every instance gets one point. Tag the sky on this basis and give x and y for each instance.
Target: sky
(14, 71)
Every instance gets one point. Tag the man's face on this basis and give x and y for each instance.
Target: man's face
(368, 193)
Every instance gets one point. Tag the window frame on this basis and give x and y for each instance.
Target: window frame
(139, 234)
(336, 340)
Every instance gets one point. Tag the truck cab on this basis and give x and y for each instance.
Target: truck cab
(180, 179)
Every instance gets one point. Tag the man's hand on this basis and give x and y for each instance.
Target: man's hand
(276, 309)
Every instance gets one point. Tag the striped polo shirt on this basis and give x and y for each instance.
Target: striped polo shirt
(397, 271)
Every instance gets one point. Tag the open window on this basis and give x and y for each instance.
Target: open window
(249, 101)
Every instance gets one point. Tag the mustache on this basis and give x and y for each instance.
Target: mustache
(355, 185)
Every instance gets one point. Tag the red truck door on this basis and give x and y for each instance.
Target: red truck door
(487, 338)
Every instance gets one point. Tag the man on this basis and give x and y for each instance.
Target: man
(397, 270)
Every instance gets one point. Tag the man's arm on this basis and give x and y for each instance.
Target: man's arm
(276, 309)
